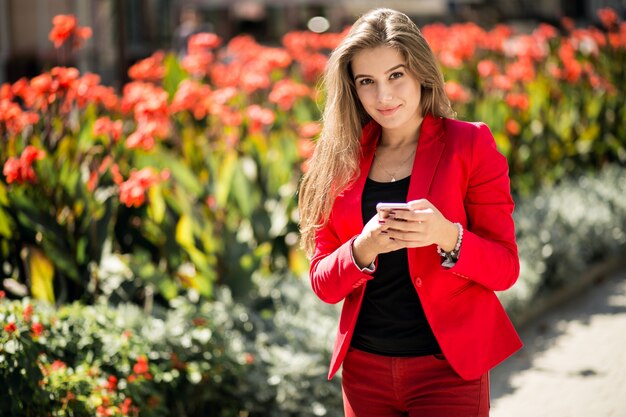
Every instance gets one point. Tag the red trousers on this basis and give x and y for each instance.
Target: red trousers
(423, 386)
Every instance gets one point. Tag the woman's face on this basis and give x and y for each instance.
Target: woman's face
(387, 91)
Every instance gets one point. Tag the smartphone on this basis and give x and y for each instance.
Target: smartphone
(391, 206)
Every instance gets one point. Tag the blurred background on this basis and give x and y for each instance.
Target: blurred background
(151, 152)
(128, 30)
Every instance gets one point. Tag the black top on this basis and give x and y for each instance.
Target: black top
(391, 320)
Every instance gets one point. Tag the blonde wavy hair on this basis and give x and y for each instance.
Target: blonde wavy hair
(335, 162)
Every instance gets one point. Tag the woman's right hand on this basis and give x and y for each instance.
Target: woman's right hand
(373, 241)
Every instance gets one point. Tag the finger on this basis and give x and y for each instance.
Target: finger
(420, 204)
(403, 226)
(406, 236)
(415, 215)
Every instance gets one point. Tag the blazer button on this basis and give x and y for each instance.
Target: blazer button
(418, 281)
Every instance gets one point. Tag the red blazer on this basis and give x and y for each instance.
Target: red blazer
(457, 168)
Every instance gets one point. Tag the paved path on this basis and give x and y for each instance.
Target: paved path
(573, 363)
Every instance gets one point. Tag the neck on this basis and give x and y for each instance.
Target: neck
(401, 137)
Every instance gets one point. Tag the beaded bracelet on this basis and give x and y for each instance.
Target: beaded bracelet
(452, 256)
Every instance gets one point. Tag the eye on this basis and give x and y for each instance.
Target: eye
(365, 81)
(396, 74)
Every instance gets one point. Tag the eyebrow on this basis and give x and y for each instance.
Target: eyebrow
(356, 77)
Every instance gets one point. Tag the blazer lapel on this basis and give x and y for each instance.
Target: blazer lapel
(429, 149)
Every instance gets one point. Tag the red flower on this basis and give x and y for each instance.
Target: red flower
(200, 42)
(310, 129)
(259, 117)
(224, 95)
(10, 328)
(58, 365)
(64, 77)
(608, 17)
(140, 369)
(313, 66)
(36, 329)
(192, 96)
(253, 79)
(517, 100)
(111, 383)
(21, 170)
(521, 70)
(133, 190)
(105, 411)
(127, 407)
(487, 68)
(13, 118)
(502, 82)
(456, 92)
(228, 116)
(545, 31)
(148, 69)
(276, 58)
(105, 126)
(2, 294)
(6, 92)
(286, 92)
(27, 314)
(513, 127)
(143, 137)
(66, 27)
(198, 64)
(306, 148)
(12, 170)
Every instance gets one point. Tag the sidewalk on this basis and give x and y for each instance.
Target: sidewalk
(573, 363)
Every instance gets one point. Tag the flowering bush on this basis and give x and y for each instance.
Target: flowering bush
(187, 179)
(270, 356)
(552, 97)
(208, 359)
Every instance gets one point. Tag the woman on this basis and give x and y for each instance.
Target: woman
(421, 325)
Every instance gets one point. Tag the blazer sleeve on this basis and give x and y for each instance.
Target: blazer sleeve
(488, 253)
(333, 272)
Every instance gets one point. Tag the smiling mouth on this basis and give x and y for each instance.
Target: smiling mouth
(389, 111)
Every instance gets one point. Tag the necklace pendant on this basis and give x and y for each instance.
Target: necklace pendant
(393, 179)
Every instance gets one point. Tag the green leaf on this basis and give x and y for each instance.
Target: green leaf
(242, 192)
(174, 74)
(181, 173)
(41, 272)
(184, 232)
(6, 224)
(503, 143)
(4, 198)
(225, 178)
(156, 210)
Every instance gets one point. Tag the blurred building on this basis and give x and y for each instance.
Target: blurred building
(125, 31)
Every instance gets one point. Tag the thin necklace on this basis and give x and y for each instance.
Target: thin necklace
(400, 166)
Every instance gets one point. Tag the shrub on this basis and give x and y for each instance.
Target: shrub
(187, 179)
(564, 229)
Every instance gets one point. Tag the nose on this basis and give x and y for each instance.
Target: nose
(384, 94)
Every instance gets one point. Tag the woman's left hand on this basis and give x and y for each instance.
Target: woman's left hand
(421, 225)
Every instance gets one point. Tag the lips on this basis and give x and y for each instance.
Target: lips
(388, 111)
